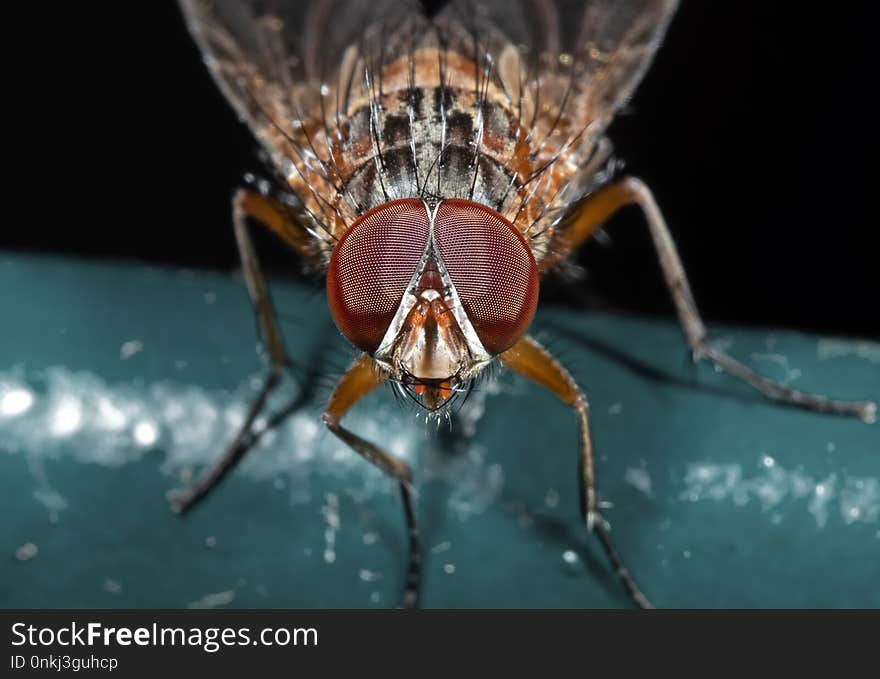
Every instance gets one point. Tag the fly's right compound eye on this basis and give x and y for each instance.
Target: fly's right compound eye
(492, 268)
(371, 266)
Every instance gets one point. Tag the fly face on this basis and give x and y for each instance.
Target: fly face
(435, 166)
(432, 291)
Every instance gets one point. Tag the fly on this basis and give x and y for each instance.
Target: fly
(436, 164)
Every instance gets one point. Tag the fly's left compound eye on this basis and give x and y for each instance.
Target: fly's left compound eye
(492, 268)
(371, 266)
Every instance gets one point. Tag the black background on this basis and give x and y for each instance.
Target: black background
(756, 129)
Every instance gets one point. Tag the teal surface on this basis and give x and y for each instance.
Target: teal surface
(118, 382)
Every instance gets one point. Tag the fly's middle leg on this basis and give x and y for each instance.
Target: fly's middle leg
(246, 204)
(532, 360)
(360, 379)
(632, 191)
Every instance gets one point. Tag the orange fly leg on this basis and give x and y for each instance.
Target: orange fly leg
(248, 204)
(268, 211)
(531, 360)
(600, 206)
(360, 379)
(588, 218)
(272, 214)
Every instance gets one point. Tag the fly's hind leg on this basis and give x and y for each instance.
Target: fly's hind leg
(247, 204)
(532, 360)
(362, 377)
(631, 191)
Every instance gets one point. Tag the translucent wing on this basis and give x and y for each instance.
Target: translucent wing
(587, 56)
(272, 59)
(567, 66)
(362, 101)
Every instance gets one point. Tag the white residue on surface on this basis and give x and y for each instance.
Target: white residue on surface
(639, 478)
(214, 600)
(14, 401)
(367, 575)
(111, 586)
(569, 556)
(441, 547)
(472, 493)
(789, 373)
(330, 512)
(571, 562)
(475, 407)
(59, 412)
(145, 433)
(834, 348)
(860, 500)
(66, 417)
(130, 348)
(852, 498)
(27, 552)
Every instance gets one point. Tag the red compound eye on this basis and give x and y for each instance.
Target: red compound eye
(371, 267)
(492, 268)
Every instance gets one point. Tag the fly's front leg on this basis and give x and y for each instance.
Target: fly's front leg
(530, 359)
(362, 377)
(246, 204)
(631, 191)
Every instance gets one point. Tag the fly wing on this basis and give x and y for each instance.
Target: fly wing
(616, 45)
(272, 59)
(566, 68)
(353, 99)
(603, 47)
